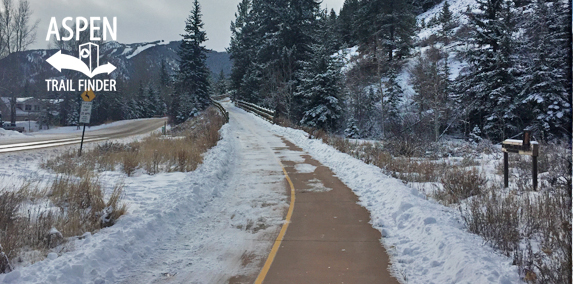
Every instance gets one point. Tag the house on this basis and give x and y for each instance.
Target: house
(29, 108)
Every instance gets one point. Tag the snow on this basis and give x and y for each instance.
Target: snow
(139, 49)
(198, 227)
(316, 185)
(10, 133)
(192, 227)
(427, 242)
(304, 168)
(346, 56)
(456, 6)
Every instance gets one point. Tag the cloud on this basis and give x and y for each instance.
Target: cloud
(146, 20)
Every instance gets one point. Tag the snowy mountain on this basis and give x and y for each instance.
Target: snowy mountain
(133, 61)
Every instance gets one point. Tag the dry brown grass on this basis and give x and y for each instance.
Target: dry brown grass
(179, 152)
(495, 217)
(38, 219)
(404, 168)
(459, 184)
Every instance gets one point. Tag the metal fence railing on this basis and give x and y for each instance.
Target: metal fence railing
(223, 111)
(264, 113)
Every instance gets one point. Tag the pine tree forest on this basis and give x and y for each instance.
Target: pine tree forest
(371, 70)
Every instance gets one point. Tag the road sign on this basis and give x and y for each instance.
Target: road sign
(86, 112)
(88, 95)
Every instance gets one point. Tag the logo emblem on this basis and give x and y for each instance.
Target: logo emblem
(88, 52)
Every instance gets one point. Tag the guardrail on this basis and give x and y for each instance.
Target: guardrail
(223, 111)
(264, 113)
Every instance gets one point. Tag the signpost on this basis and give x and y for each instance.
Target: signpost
(522, 147)
(85, 113)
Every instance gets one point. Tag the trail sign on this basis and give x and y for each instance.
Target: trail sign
(522, 147)
(88, 95)
(86, 112)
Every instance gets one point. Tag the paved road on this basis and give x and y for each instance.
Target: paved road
(128, 128)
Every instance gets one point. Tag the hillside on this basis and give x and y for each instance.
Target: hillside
(135, 61)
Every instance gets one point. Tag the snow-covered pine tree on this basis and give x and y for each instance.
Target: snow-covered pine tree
(391, 98)
(386, 24)
(346, 23)
(489, 88)
(447, 22)
(320, 84)
(285, 51)
(352, 130)
(331, 28)
(192, 78)
(153, 102)
(165, 88)
(546, 100)
(221, 84)
(70, 110)
(242, 51)
(165, 79)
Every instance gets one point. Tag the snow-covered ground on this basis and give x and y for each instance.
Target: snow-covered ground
(4, 134)
(427, 242)
(219, 221)
(200, 227)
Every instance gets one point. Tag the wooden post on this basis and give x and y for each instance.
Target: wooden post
(505, 169)
(534, 172)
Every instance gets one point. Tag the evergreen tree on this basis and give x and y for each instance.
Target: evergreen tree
(352, 130)
(545, 103)
(284, 50)
(362, 109)
(154, 103)
(164, 77)
(447, 22)
(165, 88)
(221, 85)
(320, 85)
(192, 90)
(388, 25)
(346, 23)
(391, 98)
(331, 28)
(242, 51)
(489, 88)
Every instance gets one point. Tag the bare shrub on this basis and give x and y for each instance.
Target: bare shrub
(546, 223)
(182, 158)
(404, 147)
(459, 184)
(495, 217)
(9, 205)
(341, 144)
(114, 207)
(130, 162)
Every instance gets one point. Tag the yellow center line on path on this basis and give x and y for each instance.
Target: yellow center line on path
(282, 233)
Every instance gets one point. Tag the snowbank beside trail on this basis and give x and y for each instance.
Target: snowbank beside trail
(158, 206)
(10, 133)
(427, 242)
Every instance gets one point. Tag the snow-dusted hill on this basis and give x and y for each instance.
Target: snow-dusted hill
(131, 60)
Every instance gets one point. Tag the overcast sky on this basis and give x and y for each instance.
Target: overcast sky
(146, 20)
